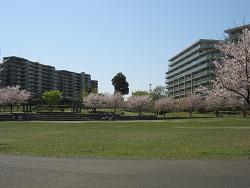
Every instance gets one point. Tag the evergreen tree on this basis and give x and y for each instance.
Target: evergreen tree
(120, 84)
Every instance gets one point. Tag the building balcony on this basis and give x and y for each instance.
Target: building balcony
(188, 66)
(188, 78)
(202, 81)
(181, 81)
(177, 60)
(183, 62)
(181, 87)
(195, 69)
(170, 91)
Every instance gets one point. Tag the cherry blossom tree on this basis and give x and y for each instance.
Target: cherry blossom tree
(223, 99)
(94, 101)
(139, 103)
(114, 101)
(240, 104)
(215, 102)
(237, 103)
(13, 95)
(164, 105)
(190, 103)
(233, 68)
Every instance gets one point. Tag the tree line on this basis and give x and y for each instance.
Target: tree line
(229, 90)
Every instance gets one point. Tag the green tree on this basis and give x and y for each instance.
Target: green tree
(120, 84)
(140, 93)
(52, 97)
(158, 93)
(94, 90)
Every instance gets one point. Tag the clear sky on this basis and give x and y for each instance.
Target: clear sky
(104, 37)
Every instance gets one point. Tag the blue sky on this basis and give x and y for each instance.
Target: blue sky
(104, 37)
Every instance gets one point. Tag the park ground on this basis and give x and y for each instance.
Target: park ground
(199, 138)
(44, 172)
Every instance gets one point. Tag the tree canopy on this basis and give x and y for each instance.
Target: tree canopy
(232, 69)
(120, 84)
(52, 97)
(158, 93)
(140, 93)
(11, 95)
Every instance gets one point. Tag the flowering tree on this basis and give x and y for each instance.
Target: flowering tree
(114, 101)
(233, 68)
(190, 103)
(240, 104)
(139, 103)
(220, 99)
(215, 102)
(94, 101)
(164, 105)
(13, 95)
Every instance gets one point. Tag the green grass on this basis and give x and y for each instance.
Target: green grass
(173, 139)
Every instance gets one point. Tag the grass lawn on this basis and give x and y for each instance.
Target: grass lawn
(213, 138)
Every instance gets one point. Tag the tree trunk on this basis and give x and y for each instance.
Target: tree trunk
(190, 114)
(30, 107)
(244, 112)
(50, 107)
(217, 113)
(11, 108)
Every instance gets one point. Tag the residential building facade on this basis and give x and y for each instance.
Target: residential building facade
(38, 78)
(190, 68)
(233, 33)
(193, 66)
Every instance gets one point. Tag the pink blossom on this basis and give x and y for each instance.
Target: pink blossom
(190, 103)
(114, 101)
(139, 103)
(233, 69)
(13, 95)
(164, 105)
(94, 101)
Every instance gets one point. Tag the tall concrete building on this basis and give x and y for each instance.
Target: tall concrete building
(234, 33)
(193, 66)
(190, 68)
(38, 78)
